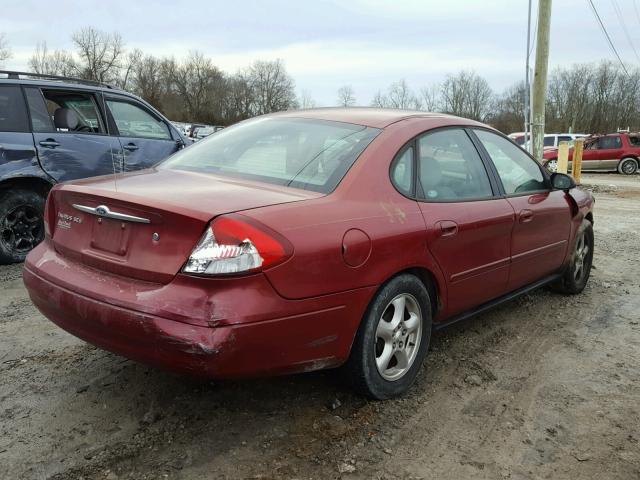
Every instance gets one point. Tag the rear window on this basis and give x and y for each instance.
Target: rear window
(296, 152)
(13, 112)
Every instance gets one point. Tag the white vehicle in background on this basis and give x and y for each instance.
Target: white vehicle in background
(206, 131)
(552, 140)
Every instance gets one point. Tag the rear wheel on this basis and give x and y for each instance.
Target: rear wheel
(21, 224)
(628, 166)
(552, 165)
(577, 273)
(392, 340)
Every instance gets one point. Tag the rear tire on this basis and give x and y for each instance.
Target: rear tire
(628, 166)
(392, 340)
(21, 224)
(576, 275)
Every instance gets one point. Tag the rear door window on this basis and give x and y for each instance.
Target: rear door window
(450, 168)
(81, 103)
(133, 121)
(549, 141)
(13, 112)
(609, 143)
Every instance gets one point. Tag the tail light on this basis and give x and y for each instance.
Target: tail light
(235, 244)
(49, 216)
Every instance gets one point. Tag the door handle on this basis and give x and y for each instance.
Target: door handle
(447, 228)
(132, 147)
(49, 143)
(525, 216)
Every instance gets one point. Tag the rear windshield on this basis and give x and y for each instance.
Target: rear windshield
(297, 152)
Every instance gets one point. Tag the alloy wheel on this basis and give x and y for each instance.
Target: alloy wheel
(552, 165)
(629, 167)
(22, 229)
(581, 258)
(398, 335)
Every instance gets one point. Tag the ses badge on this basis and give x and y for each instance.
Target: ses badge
(66, 220)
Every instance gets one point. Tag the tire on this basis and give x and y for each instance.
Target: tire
(406, 344)
(576, 275)
(552, 165)
(628, 166)
(21, 224)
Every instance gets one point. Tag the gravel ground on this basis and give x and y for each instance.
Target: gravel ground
(543, 387)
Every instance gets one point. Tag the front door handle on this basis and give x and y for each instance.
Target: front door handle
(447, 228)
(49, 143)
(525, 216)
(132, 147)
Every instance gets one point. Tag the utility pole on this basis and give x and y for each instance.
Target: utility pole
(540, 77)
(527, 88)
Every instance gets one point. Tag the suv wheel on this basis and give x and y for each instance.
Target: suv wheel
(552, 165)
(628, 166)
(21, 224)
(392, 340)
(577, 273)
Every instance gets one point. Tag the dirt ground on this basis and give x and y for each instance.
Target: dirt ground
(543, 387)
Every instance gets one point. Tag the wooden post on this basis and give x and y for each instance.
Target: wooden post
(576, 164)
(563, 157)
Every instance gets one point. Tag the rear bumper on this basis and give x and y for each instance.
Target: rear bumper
(284, 336)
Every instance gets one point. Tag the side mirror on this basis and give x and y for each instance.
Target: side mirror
(561, 181)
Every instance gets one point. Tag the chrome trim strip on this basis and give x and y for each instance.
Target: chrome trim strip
(103, 211)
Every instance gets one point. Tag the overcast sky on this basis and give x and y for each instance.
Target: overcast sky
(328, 43)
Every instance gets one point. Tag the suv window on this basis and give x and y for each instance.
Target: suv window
(549, 141)
(81, 103)
(402, 172)
(564, 138)
(13, 112)
(133, 121)
(518, 172)
(606, 143)
(450, 168)
(40, 119)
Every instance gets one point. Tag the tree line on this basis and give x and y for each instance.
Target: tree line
(587, 98)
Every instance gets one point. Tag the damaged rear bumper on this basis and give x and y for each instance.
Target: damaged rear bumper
(288, 336)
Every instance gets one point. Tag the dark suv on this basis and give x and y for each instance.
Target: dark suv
(54, 129)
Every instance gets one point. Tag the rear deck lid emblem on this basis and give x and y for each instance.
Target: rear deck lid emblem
(104, 211)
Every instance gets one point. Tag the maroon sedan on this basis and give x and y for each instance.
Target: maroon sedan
(309, 240)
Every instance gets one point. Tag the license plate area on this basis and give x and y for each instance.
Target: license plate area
(111, 236)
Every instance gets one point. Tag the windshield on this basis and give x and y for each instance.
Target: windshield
(297, 152)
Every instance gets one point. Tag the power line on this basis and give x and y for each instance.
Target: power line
(608, 38)
(616, 7)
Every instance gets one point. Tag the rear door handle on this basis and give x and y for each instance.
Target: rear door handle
(49, 143)
(525, 216)
(132, 147)
(447, 228)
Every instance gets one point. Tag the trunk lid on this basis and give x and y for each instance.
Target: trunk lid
(152, 220)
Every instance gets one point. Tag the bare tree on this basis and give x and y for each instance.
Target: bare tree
(57, 62)
(346, 96)
(131, 62)
(272, 86)
(401, 96)
(466, 94)
(306, 100)
(398, 95)
(430, 97)
(100, 54)
(200, 84)
(5, 51)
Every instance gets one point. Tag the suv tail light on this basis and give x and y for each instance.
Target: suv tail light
(235, 244)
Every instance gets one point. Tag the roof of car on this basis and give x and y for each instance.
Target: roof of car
(369, 116)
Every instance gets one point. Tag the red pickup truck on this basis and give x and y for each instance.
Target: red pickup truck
(617, 151)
